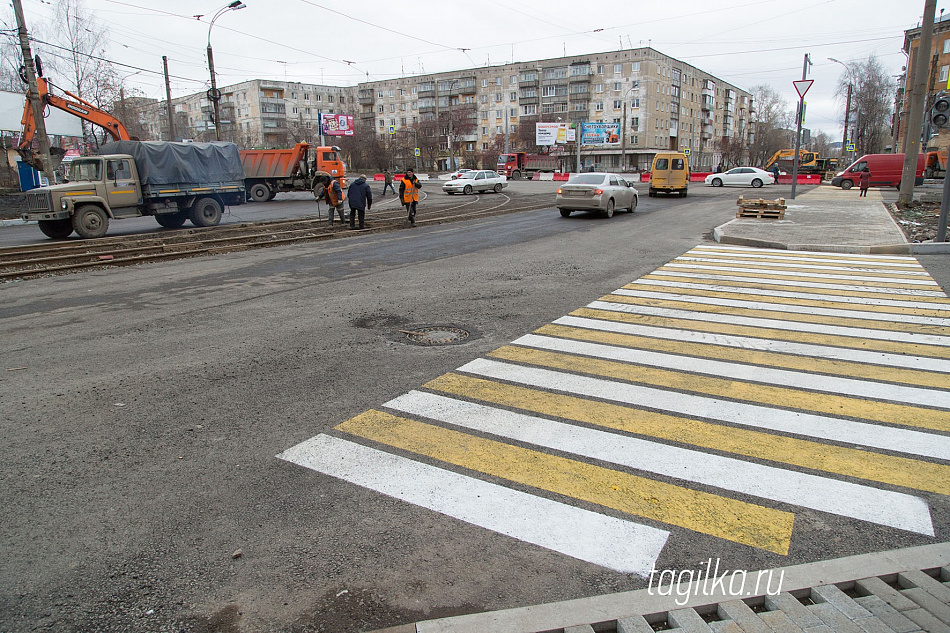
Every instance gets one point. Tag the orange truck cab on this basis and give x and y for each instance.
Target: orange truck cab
(886, 171)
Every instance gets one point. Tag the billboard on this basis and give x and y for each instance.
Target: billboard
(337, 124)
(600, 134)
(553, 133)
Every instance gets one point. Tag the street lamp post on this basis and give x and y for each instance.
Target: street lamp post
(214, 94)
(847, 107)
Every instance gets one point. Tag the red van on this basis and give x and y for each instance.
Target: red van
(886, 171)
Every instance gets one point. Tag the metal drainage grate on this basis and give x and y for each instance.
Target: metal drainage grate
(436, 335)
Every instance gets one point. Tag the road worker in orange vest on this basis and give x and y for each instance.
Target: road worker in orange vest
(409, 188)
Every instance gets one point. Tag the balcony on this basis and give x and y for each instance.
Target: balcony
(426, 109)
(367, 116)
(528, 101)
(426, 92)
(367, 100)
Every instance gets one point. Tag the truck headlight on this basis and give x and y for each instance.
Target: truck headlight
(62, 203)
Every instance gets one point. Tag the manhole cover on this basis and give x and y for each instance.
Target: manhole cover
(436, 335)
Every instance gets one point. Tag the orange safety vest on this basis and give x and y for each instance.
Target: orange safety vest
(411, 192)
(331, 195)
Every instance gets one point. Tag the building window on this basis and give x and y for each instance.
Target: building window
(943, 73)
(529, 110)
(599, 106)
(618, 104)
(512, 96)
(381, 109)
(618, 68)
(635, 67)
(498, 129)
(600, 69)
(499, 97)
(484, 83)
(499, 114)
(635, 123)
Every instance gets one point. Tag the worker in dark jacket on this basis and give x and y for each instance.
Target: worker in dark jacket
(334, 197)
(361, 201)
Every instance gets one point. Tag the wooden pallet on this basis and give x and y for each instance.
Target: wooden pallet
(761, 208)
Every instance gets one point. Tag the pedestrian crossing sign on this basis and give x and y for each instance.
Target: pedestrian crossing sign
(686, 151)
(392, 129)
(416, 152)
(850, 147)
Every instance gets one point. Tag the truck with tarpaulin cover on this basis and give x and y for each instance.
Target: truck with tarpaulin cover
(268, 172)
(173, 182)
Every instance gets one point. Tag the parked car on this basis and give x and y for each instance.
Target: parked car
(476, 180)
(455, 174)
(596, 192)
(742, 176)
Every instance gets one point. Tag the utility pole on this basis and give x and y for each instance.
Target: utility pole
(917, 99)
(847, 119)
(623, 138)
(168, 101)
(578, 137)
(33, 94)
(798, 130)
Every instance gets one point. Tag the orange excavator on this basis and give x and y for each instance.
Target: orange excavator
(75, 106)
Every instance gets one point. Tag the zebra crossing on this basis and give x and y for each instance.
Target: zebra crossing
(717, 394)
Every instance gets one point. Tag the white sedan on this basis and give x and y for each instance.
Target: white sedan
(476, 180)
(596, 192)
(742, 176)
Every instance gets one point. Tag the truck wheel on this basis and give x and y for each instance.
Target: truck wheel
(90, 221)
(272, 195)
(516, 175)
(171, 220)
(56, 229)
(206, 212)
(846, 184)
(259, 192)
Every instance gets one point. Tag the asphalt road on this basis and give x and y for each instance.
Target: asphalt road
(143, 409)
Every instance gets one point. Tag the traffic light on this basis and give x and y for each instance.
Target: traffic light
(940, 113)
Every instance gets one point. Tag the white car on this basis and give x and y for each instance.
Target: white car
(457, 173)
(596, 192)
(742, 176)
(475, 181)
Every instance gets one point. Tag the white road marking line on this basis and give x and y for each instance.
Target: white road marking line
(793, 326)
(815, 275)
(785, 307)
(762, 344)
(613, 543)
(781, 266)
(771, 292)
(767, 281)
(856, 501)
(853, 259)
(751, 415)
(739, 371)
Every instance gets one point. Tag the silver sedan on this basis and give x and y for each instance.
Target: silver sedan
(596, 192)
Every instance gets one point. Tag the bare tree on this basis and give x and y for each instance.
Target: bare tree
(731, 148)
(771, 128)
(871, 101)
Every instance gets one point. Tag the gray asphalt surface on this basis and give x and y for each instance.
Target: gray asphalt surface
(142, 408)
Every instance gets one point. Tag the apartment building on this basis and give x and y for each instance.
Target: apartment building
(462, 118)
(938, 74)
(668, 104)
(255, 113)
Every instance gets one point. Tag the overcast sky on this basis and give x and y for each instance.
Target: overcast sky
(744, 42)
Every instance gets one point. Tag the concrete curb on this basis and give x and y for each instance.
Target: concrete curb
(907, 248)
(14, 222)
(557, 616)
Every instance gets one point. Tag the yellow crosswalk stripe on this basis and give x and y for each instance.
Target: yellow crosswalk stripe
(784, 397)
(719, 516)
(785, 254)
(685, 304)
(739, 355)
(816, 303)
(916, 349)
(792, 287)
(862, 464)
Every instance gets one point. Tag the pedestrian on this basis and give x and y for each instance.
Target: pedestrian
(388, 178)
(333, 194)
(409, 191)
(865, 182)
(775, 173)
(719, 168)
(360, 200)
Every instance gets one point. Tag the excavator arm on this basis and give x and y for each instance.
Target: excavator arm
(75, 106)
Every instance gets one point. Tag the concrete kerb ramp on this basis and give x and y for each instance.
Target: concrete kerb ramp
(827, 219)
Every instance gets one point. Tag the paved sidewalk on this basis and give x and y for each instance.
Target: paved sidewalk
(827, 219)
(902, 591)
